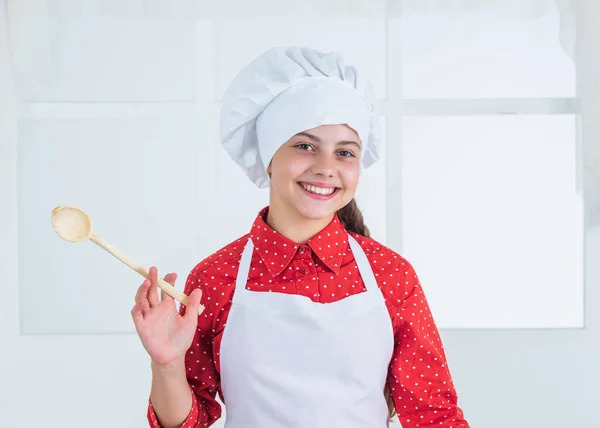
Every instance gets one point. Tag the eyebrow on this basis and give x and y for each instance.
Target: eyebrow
(318, 140)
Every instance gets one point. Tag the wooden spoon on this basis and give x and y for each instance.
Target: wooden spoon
(74, 225)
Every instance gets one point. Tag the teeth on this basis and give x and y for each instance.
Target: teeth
(319, 190)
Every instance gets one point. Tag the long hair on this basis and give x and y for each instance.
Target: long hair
(353, 221)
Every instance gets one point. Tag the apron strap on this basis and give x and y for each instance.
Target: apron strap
(244, 269)
(364, 267)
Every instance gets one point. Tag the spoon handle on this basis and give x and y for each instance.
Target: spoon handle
(163, 285)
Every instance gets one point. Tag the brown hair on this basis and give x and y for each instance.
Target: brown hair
(353, 221)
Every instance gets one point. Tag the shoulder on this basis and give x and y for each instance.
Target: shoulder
(395, 275)
(222, 264)
(381, 256)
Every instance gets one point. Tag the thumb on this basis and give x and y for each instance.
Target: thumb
(191, 310)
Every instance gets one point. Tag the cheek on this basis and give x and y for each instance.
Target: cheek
(350, 176)
(292, 169)
(285, 172)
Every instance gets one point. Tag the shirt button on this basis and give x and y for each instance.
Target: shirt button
(303, 271)
(302, 248)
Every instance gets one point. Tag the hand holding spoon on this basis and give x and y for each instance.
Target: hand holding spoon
(74, 225)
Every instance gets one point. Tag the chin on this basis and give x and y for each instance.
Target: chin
(315, 214)
(318, 211)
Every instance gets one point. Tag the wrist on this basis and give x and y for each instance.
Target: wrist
(174, 367)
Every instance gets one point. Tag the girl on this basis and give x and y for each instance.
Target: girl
(307, 321)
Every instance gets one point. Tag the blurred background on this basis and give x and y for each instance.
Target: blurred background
(489, 185)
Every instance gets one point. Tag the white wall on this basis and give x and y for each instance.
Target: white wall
(486, 208)
(117, 105)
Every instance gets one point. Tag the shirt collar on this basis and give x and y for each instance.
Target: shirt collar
(331, 244)
(277, 251)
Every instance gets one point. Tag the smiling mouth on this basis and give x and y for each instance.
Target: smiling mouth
(316, 190)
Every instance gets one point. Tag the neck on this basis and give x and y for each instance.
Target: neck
(293, 226)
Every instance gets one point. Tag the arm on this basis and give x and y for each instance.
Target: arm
(184, 394)
(419, 378)
(171, 400)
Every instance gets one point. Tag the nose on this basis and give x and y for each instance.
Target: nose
(323, 166)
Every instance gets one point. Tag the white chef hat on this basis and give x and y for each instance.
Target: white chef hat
(287, 90)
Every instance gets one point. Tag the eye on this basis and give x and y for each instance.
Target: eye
(304, 146)
(346, 153)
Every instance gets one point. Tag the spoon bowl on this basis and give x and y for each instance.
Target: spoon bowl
(71, 223)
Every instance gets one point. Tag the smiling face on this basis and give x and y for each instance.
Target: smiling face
(315, 173)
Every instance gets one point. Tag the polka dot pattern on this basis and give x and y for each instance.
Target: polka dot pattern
(323, 270)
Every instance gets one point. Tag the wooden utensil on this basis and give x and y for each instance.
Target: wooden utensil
(74, 225)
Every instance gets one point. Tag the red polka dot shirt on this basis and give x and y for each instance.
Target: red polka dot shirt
(324, 270)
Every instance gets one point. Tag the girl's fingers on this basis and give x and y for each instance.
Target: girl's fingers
(167, 300)
(137, 314)
(147, 297)
(142, 292)
(191, 311)
(164, 297)
(152, 292)
(171, 278)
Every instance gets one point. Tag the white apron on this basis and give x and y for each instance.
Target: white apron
(288, 362)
